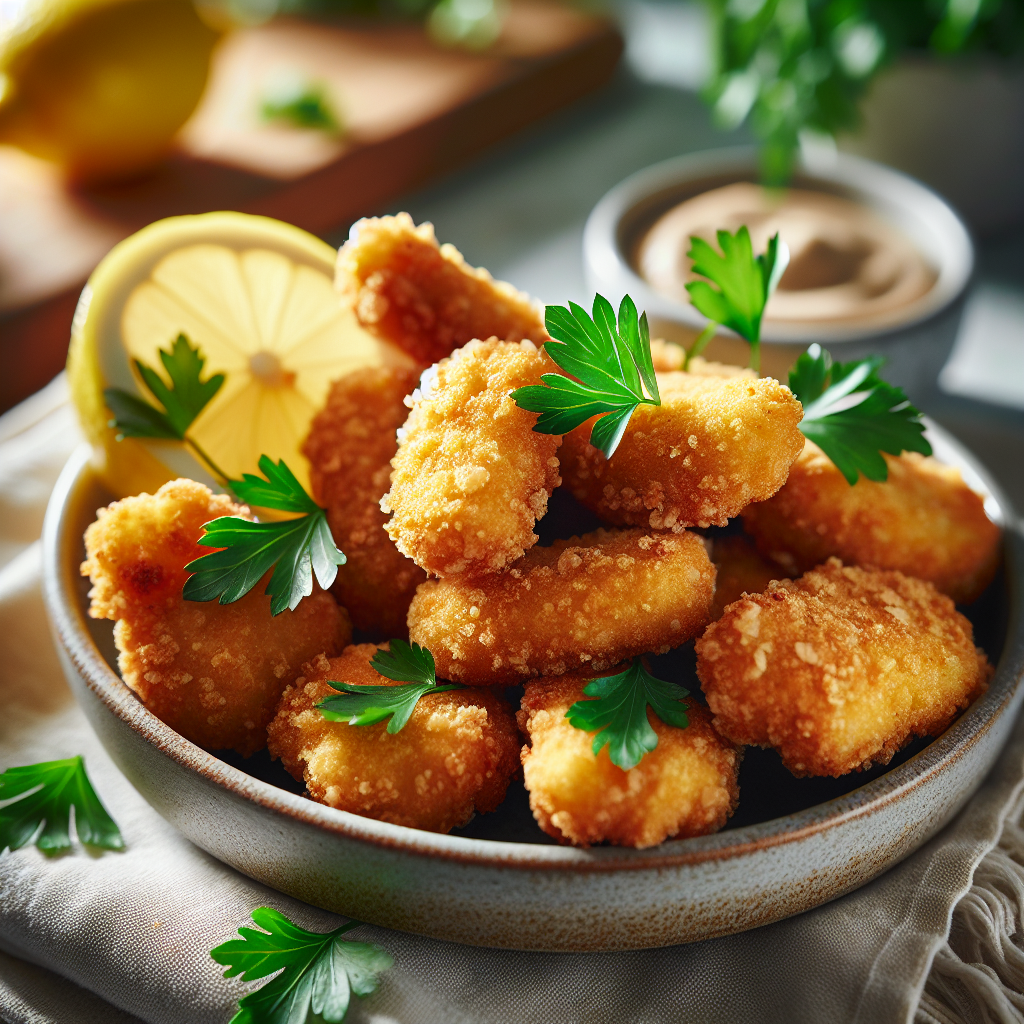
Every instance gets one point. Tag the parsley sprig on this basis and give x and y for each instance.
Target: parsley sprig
(745, 283)
(360, 704)
(297, 549)
(320, 971)
(42, 795)
(853, 415)
(610, 367)
(619, 714)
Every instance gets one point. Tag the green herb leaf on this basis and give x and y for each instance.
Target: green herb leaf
(43, 794)
(620, 713)
(406, 663)
(853, 415)
(297, 549)
(300, 103)
(612, 366)
(319, 971)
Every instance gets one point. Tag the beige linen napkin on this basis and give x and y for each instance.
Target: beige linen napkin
(120, 938)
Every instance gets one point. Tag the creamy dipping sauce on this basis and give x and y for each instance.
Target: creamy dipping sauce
(846, 264)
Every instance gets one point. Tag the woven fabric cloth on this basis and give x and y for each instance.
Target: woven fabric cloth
(121, 938)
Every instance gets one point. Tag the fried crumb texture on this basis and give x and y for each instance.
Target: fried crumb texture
(212, 672)
(839, 669)
(424, 297)
(741, 570)
(584, 603)
(685, 787)
(924, 521)
(455, 755)
(471, 477)
(350, 446)
(714, 445)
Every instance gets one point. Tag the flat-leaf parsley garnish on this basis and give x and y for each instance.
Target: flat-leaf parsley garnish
(853, 415)
(296, 549)
(745, 283)
(360, 704)
(620, 713)
(320, 971)
(43, 795)
(611, 370)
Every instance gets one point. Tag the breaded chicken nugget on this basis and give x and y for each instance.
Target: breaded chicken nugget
(423, 297)
(924, 520)
(584, 603)
(685, 787)
(713, 446)
(455, 755)
(470, 476)
(839, 668)
(741, 570)
(350, 446)
(212, 672)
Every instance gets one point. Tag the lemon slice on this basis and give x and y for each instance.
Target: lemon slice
(256, 296)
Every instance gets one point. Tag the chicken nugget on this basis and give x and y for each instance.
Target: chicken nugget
(454, 756)
(584, 603)
(685, 787)
(741, 570)
(839, 669)
(423, 297)
(471, 477)
(714, 445)
(212, 672)
(350, 446)
(924, 520)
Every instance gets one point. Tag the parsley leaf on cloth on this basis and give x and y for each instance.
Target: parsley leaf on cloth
(319, 971)
(360, 704)
(297, 549)
(745, 283)
(853, 415)
(43, 794)
(610, 366)
(620, 713)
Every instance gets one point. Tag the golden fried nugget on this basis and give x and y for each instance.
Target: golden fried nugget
(685, 787)
(423, 297)
(455, 755)
(839, 668)
(350, 446)
(741, 570)
(212, 672)
(471, 477)
(713, 446)
(924, 520)
(585, 603)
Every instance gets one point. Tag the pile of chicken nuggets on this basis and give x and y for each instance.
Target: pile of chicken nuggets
(826, 631)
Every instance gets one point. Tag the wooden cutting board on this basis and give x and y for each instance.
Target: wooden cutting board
(412, 112)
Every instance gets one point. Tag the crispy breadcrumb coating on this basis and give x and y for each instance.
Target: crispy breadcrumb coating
(839, 669)
(423, 297)
(454, 756)
(471, 477)
(350, 446)
(713, 446)
(741, 570)
(584, 603)
(924, 520)
(685, 787)
(212, 672)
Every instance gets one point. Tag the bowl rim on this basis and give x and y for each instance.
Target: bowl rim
(61, 556)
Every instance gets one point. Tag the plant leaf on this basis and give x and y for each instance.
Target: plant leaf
(368, 704)
(406, 663)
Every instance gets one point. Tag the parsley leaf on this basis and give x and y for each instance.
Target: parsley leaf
(366, 705)
(43, 794)
(612, 366)
(744, 281)
(319, 970)
(300, 103)
(853, 415)
(297, 549)
(620, 713)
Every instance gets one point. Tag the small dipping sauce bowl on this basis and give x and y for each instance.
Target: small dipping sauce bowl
(907, 254)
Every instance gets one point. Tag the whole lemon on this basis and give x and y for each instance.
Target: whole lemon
(101, 86)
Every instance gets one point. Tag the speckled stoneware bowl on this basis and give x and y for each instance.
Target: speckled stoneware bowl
(514, 889)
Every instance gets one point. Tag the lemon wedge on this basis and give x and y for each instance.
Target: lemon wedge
(256, 297)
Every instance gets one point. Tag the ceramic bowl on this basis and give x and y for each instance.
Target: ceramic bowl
(514, 889)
